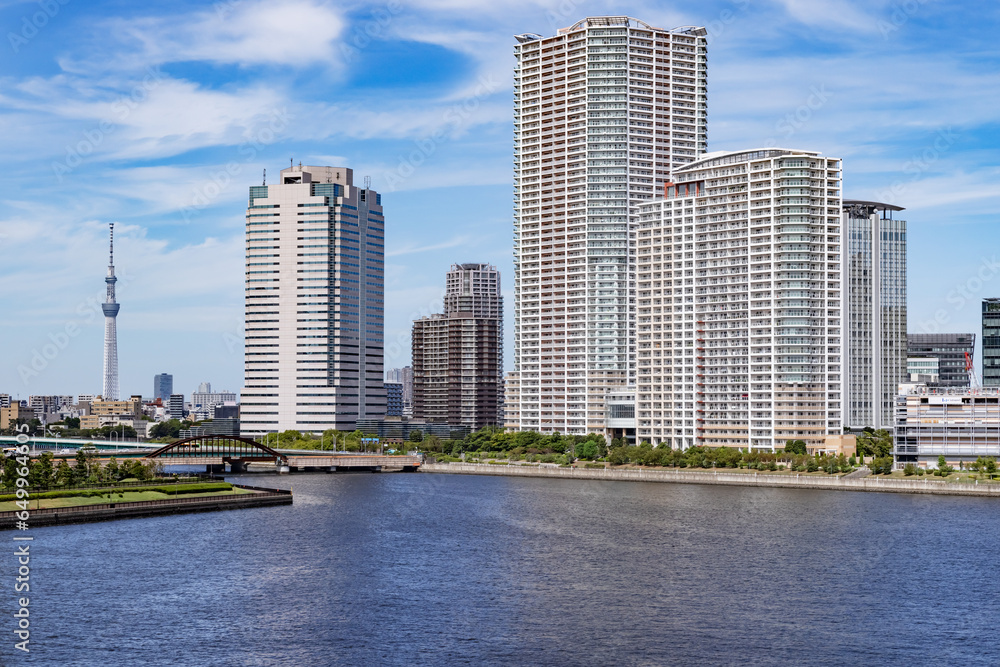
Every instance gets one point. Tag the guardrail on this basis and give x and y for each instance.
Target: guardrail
(156, 481)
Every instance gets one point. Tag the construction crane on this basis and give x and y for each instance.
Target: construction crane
(971, 370)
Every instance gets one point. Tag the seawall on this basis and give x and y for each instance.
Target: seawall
(144, 508)
(875, 484)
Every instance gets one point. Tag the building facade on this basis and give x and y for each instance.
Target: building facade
(456, 376)
(206, 399)
(950, 350)
(175, 407)
(959, 423)
(403, 376)
(875, 318)
(604, 112)
(991, 342)
(393, 399)
(163, 386)
(315, 263)
(739, 303)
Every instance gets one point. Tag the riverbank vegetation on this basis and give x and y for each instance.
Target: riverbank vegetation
(45, 473)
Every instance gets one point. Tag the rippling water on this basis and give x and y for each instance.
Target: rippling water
(408, 569)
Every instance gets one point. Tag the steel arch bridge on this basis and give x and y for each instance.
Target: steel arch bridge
(221, 448)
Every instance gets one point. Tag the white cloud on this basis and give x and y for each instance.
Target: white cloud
(291, 33)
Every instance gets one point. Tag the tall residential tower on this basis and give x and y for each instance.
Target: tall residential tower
(739, 303)
(315, 256)
(604, 112)
(458, 355)
(110, 308)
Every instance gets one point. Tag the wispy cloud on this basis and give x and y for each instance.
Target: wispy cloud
(413, 249)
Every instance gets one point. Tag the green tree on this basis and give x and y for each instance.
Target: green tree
(9, 473)
(46, 473)
(112, 470)
(64, 474)
(170, 428)
(416, 435)
(881, 465)
(80, 471)
(882, 443)
(795, 447)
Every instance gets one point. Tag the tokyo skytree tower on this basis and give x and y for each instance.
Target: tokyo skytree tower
(110, 307)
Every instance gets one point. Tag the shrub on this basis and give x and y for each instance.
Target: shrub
(909, 469)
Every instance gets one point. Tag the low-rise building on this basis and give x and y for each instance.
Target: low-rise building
(959, 423)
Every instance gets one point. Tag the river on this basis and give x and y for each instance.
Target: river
(422, 569)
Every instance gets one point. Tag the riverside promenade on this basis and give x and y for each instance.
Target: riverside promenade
(749, 478)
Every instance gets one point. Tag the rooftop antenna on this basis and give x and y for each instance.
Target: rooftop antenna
(368, 182)
(265, 177)
(291, 163)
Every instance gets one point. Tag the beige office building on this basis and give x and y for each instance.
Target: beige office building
(604, 111)
(739, 303)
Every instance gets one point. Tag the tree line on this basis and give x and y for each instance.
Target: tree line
(44, 473)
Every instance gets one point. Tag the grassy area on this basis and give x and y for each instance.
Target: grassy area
(117, 497)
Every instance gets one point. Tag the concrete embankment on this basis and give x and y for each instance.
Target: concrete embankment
(839, 483)
(144, 508)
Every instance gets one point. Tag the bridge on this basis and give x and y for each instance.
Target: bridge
(216, 451)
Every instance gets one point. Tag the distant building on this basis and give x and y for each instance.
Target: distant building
(400, 429)
(10, 415)
(163, 386)
(950, 350)
(922, 370)
(176, 407)
(47, 408)
(403, 376)
(4, 400)
(393, 399)
(205, 400)
(875, 318)
(222, 427)
(991, 342)
(959, 423)
(315, 275)
(87, 398)
(226, 411)
(458, 355)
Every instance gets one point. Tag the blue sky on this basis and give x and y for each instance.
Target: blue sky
(159, 116)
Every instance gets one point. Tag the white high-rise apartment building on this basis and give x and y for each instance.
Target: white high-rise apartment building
(739, 304)
(315, 258)
(875, 321)
(604, 111)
